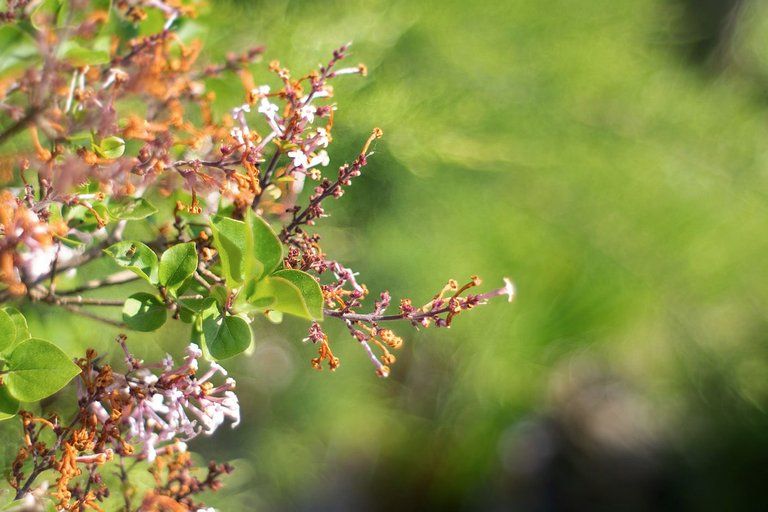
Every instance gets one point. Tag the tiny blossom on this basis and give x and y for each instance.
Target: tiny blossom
(320, 138)
(509, 289)
(237, 134)
(268, 108)
(321, 158)
(260, 91)
(299, 158)
(307, 113)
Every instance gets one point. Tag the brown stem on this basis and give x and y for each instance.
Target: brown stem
(76, 310)
(115, 279)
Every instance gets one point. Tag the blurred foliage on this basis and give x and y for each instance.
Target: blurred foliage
(566, 145)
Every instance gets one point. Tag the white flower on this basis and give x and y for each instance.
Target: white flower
(237, 134)
(299, 158)
(267, 108)
(321, 158)
(261, 90)
(157, 403)
(307, 113)
(509, 289)
(321, 137)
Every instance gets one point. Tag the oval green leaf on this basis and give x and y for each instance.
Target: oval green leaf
(80, 56)
(309, 288)
(37, 369)
(263, 247)
(9, 406)
(137, 257)
(144, 312)
(131, 208)
(7, 331)
(225, 336)
(177, 264)
(19, 50)
(279, 294)
(229, 239)
(20, 323)
(111, 147)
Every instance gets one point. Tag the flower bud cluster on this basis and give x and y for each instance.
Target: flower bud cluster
(156, 406)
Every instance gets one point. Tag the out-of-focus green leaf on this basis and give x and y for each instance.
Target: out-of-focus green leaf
(83, 219)
(131, 208)
(81, 139)
(144, 312)
(153, 23)
(69, 242)
(110, 147)
(37, 369)
(44, 13)
(19, 49)
(80, 56)
(137, 257)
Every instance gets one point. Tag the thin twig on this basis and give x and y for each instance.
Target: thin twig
(210, 275)
(508, 289)
(115, 279)
(265, 178)
(82, 301)
(27, 120)
(202, 281)
(76, 310)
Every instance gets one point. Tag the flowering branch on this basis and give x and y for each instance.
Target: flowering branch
(224, 235)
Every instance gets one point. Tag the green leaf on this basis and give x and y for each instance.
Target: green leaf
(225, 336)
(80, 56)
(263, 247)
(193, 304)
(9, 406)
(110, 147)
(44, 12)
(177, 264)
(69, 242)
(229, 239)
(144, 312)
(19, 50)
(71, 19)
(152, 23)
(309, 288)
(83, 139)
(20, 323)
(137, 257)
(219, 293)
(247, 249)
(83, 219)
(131, 208)
(37, 369)
(279, 294)
(7, 331)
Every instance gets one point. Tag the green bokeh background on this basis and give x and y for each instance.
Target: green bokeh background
(576, 147)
